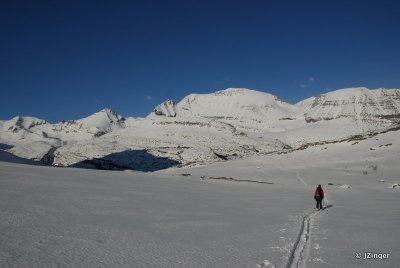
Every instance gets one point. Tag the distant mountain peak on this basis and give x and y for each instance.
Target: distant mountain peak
(97, 124)
(232, 103)
(25, 122)
(106, 110)
(239, 91)
(167, 108)
(105, 120)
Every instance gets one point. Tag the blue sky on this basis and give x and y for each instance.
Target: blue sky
(68, 59)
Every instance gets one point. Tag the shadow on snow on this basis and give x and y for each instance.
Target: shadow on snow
(11, 158)
(4, 146)
(139, 160)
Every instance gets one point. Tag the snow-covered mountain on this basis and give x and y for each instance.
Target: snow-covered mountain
(379, 107)
(344, 113)
(96, 124)
(203, 128)
(232, 103)
(34, 138)
(30, 128)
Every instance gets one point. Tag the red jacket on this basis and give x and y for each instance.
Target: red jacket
(319, 192)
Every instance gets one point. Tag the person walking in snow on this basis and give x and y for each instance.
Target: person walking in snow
(319, 196)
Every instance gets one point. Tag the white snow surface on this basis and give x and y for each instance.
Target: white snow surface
(217, 215)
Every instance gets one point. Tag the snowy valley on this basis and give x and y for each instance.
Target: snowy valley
(232, 182)
(252, 212)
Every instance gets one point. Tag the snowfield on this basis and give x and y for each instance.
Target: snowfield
(253, 212)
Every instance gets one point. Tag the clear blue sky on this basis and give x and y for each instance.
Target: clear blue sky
(68, 59)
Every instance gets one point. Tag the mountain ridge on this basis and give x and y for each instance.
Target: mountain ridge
(203, 128)
(227, 91)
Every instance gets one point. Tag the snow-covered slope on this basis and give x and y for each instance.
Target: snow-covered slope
(20, 126)
(232, 103)
(96, 124)
(344, 113)
(204, 128)
(379, 107)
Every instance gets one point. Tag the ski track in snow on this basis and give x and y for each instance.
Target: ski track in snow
(300, 179)
(301, 248)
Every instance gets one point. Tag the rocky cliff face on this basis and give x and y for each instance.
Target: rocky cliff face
(167, 108)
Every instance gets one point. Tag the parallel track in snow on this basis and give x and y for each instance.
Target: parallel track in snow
(301, 248)
(300, 251)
